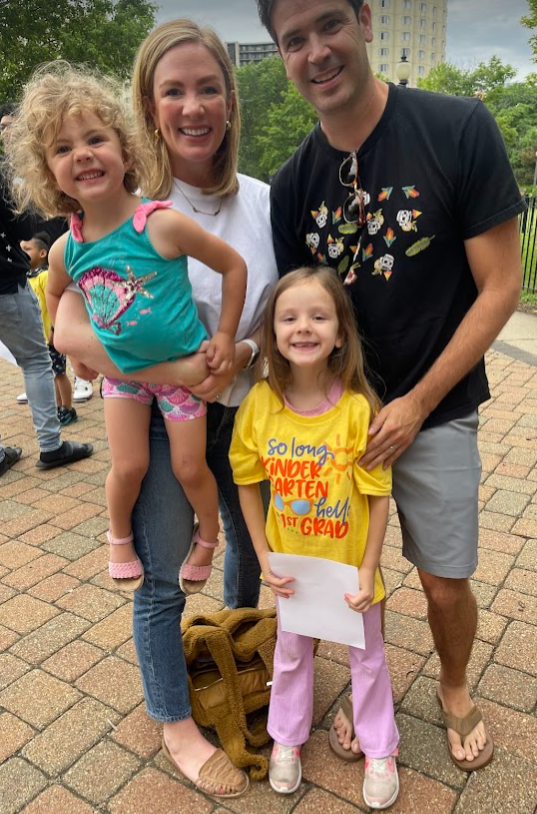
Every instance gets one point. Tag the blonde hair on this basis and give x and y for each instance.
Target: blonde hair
(157, 177)
(345, 363)
(56, 91)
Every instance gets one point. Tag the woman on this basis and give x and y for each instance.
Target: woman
(185, 99)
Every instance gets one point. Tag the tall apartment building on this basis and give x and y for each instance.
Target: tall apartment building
(415, 28)
(242, 53)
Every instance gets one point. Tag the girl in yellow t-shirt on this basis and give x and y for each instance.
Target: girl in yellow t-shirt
(305, 429)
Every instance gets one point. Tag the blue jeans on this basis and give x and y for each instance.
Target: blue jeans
(241, 566)
(162, 524)
(21, 330)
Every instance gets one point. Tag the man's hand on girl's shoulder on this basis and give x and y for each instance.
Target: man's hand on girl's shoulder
(392, 431)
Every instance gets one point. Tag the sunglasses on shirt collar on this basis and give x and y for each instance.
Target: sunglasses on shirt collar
(353, 208)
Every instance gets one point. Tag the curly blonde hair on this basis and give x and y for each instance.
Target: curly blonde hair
(56, 91)
(157, 176)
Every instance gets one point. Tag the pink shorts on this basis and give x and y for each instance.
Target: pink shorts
(175, 403)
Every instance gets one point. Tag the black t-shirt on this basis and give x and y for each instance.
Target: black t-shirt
(435, 173)
(14, 263)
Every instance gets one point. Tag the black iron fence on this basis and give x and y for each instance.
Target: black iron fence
(528, 236)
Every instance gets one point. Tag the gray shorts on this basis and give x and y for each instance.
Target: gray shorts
(436, 486)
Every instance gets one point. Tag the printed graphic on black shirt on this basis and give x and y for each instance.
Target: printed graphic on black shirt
(354, 247)
(436, 174)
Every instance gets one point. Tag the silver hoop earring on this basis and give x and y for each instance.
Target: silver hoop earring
(228, 125)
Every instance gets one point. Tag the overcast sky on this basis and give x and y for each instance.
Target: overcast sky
(477, 29)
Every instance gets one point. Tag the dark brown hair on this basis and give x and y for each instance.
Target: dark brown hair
(265, 9)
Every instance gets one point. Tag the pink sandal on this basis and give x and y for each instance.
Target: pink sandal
(193, 578)
(127, 576)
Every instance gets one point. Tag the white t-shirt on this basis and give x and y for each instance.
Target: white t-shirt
(244, 223)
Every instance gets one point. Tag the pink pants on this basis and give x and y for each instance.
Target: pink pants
(291, 699)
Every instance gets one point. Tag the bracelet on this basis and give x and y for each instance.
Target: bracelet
(254, 347)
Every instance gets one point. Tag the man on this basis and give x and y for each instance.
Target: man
(409, 196)
(21, 330)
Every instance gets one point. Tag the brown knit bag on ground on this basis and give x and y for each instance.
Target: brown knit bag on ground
(229, 656)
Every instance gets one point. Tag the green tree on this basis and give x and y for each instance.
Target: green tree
(100, 33)
(261, 85)
(447, 78)
(287, 123)
(515, 110)
(480, 80)
(530, 21)
(492, 74)
(514, 106)
(275, 118)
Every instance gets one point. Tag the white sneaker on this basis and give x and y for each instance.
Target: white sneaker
(285, 769)
(83, 390)
(22, 399)
(381, 783)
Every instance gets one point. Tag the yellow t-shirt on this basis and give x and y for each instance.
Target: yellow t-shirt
(319, 504)
(38, 284)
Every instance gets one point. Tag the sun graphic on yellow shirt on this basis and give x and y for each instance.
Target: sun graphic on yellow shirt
(342, 461)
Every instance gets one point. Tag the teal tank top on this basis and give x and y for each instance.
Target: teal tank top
(139, 302)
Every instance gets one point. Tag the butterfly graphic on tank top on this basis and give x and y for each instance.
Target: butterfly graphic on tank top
(109, 295)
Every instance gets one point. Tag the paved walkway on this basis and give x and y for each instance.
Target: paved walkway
(74, 737)
(519, 338)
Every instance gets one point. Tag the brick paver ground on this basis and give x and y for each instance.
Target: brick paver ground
(74, 736)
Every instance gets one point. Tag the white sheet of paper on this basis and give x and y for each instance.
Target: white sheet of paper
(6, 354)
(317, 608)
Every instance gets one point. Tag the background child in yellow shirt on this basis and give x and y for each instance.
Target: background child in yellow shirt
(37, 249)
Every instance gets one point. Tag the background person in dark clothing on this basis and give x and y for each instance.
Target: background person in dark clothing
(21, 330)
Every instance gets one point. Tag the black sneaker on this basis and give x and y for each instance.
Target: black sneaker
(67, 415)
(11, 456)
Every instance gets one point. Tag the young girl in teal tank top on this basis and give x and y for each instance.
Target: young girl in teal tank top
(75, 156)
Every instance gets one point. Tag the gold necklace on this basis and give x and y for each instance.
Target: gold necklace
(195, 209)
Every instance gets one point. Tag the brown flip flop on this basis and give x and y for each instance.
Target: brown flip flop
(345, 754)
(463, 727)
